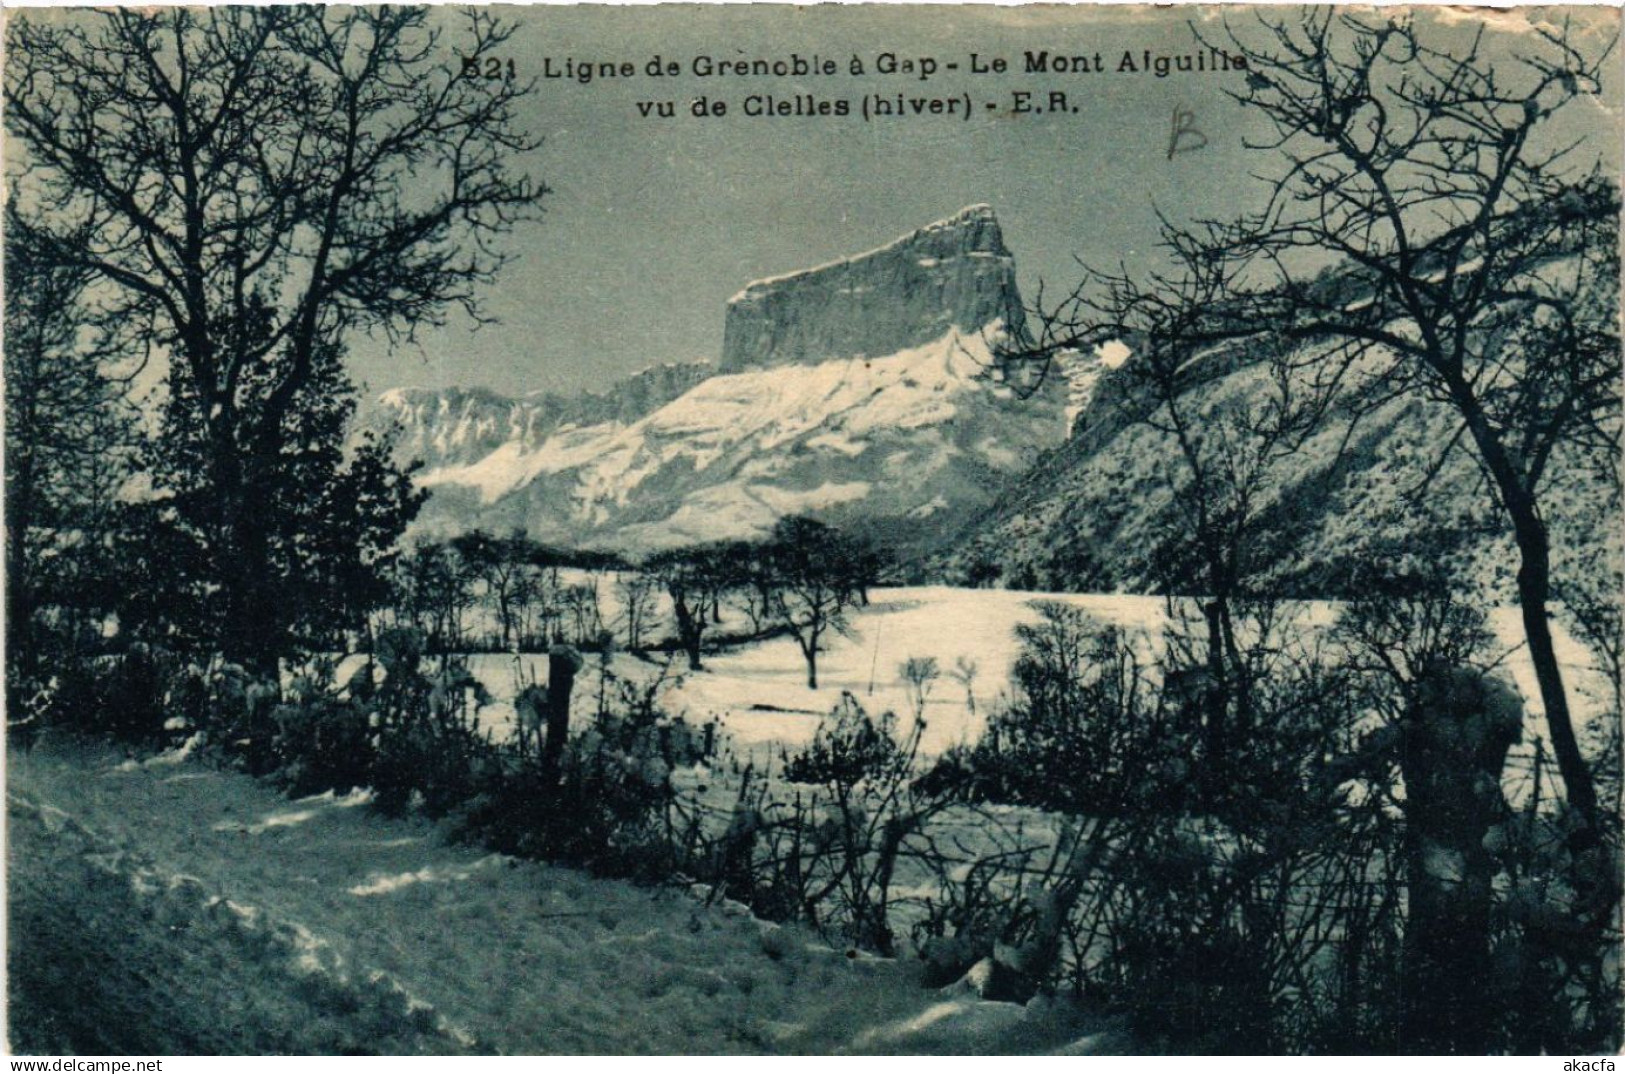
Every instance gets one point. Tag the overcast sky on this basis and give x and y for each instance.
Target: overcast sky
(654, 223)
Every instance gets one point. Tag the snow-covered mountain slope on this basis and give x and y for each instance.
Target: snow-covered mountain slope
(453, 426)
(1373, 488)
(862, 392)
(908, 435)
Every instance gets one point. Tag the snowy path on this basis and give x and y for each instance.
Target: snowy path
(173, 908)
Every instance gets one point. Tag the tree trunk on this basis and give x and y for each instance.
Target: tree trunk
(1534, 589)
(874, 929)
(1594, 868)
(20, 502)
(250, 631)
(563, 661)
(688, 633)
(1215, 705)
(260, 618)
(1456, 736)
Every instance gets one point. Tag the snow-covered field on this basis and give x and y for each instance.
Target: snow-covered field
(759, 693)
(742, 688)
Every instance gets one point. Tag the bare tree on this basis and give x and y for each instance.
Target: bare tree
(1188, 326)
(1489, 257)
(817, 577)
(749, 576)
(688, 577)
(539, 602)
(1475, 262)
(636, 592)
(67, 423)
(1447, 727)
(581, 602)
(500, 563)
(438, 587)
(250, 185)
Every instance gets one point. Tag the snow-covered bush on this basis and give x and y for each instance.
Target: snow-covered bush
(848, 747)
(324, 743)
(1196, 905)
(602, 808)
(606, 805)
(428, 748)
(126, 695)
(832, 855)
(979, 909)
(401, 724)
(1084, 732)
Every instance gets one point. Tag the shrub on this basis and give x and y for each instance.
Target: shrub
(872, 806)
(605, 808)
(1084, 733)
(323, 743)
(428, 747)
(848, 748)
(124, 695)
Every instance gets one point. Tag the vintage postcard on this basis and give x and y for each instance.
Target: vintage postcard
(840, 529)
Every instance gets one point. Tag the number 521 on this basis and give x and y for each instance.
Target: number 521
(488, 67)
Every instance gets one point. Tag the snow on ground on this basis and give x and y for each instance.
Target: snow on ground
(200, 911)
(761, 697)
(758, 693)
(175, 909)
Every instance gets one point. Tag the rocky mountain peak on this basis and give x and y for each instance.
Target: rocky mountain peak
(856, 392)
(956, 273)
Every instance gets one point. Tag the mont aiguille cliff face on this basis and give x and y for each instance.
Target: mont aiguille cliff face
(953, 273)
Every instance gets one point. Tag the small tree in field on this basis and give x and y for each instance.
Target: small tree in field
(437, 587)
(580, 602)
(818, 580)
(748, 573)
(964, 673)
(538, 596)
(500, 562)
(687, 577)
(635, 591)
(919, 674)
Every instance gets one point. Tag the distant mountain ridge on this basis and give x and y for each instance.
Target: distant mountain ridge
(460, 425)
(863, 392)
